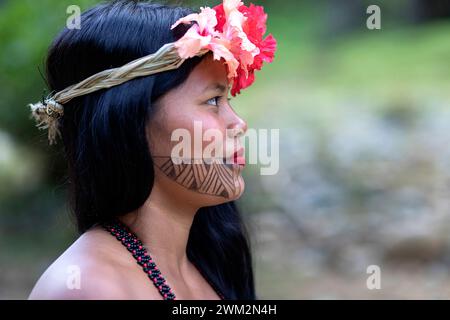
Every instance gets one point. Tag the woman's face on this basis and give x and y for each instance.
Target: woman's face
(204, 162)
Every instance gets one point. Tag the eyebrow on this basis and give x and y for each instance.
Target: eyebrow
(216, 87)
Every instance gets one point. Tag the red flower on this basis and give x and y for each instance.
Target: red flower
(254, 27)
(234, 33)
(220, 16)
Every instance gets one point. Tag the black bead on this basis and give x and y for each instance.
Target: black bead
(132, 243)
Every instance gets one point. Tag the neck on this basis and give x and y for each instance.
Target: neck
(163, 225)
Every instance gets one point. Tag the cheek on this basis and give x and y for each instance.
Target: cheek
(209, 134)
(200, 131)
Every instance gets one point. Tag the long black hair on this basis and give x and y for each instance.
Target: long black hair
(110, 168)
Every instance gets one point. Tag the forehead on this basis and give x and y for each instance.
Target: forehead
(206, 74)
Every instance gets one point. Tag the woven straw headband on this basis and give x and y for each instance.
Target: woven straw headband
(216, 29)
(48, 112)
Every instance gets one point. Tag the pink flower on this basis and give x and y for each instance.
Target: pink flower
(192, 42)
(232, 29)
(199, 35)
(234, 33)
(220, 48)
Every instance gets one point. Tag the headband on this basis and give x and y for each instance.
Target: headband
(231, 31)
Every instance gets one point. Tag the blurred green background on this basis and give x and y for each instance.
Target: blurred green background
(364, 119)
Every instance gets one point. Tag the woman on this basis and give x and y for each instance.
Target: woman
(183, 232)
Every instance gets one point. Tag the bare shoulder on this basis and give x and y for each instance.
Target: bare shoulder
(88, 269)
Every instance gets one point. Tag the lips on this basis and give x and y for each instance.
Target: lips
(239, 158)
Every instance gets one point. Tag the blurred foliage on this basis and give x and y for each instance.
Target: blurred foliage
(27, 28)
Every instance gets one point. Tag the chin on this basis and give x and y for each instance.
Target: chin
(212, 200)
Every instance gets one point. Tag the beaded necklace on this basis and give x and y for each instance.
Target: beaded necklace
(143, 258)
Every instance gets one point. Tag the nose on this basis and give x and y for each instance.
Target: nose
(237, 126)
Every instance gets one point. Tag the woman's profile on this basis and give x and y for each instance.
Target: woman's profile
(153, 224)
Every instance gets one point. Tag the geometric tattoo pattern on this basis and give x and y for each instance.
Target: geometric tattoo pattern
(213, 177)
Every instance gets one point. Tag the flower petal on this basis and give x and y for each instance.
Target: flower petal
(186, 20)
(220, 50)
(191, 43)
(207, 20)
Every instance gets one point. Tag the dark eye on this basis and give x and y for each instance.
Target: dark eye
(213, 101)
